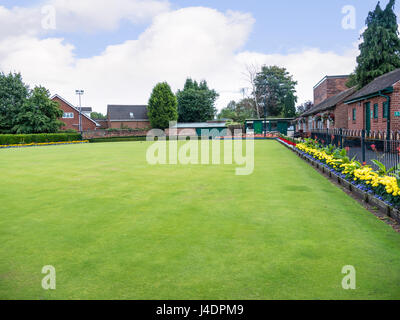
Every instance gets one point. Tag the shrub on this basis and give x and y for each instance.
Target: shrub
(7, 139)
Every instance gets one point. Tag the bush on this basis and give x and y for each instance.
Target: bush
(7, 139)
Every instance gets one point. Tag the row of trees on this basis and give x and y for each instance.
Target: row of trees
(273, 94)
(195, 103)
(23, 110)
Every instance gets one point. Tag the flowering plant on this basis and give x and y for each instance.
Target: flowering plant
(41, 144)
(384, 186)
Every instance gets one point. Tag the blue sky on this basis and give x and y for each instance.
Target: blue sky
(281, 26)
(121, 61)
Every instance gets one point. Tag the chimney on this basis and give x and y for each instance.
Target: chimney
(329, 86)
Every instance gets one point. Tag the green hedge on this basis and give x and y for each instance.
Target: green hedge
(7, 139)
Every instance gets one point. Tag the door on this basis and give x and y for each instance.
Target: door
(368, 116)
(283, 127)
(258, 127)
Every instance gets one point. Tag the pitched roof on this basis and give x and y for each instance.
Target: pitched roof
(127, 113)
(73, 107)
(379, 84)
(330, 102)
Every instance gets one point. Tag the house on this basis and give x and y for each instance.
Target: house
(261, 126)
(329, 114)
(376, 106)
(329, 110)
(127, 117)
(71, 116)
(85, 110)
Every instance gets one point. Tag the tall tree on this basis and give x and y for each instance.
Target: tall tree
(273, 85)
(289, 109)
(380, 49)
(304, 107)
(196, 102)
(38, 114)
(250, 75)
(162, 106)
(238, 112)
(13, 94)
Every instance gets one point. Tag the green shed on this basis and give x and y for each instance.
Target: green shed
(261, 126)
(209, 129)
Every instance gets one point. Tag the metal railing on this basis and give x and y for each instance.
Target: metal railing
(364, 145)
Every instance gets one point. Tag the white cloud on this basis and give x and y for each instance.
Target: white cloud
(94, 15)
(199, 42)
(82, 16)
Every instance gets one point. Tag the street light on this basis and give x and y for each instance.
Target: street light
(80, 93)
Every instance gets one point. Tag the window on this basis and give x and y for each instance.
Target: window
(354, 114)
(131, 115)
(385, 110)
(68, 115)
(376, 110)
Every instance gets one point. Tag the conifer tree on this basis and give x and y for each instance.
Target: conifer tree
(380, 49)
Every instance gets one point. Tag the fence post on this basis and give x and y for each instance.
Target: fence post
(341, 138)
(327, 137)
(363, 145)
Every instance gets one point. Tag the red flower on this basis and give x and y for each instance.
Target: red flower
(364, 163)
(373, 147)
(347, 149)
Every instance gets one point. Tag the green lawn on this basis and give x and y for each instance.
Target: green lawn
(115, 227)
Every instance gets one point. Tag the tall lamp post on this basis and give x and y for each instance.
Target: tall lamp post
(265, 117)
(80, 94)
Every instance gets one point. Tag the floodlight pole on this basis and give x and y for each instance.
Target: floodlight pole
(80, 93)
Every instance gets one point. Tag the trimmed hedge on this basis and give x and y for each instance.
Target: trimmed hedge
(8, 139)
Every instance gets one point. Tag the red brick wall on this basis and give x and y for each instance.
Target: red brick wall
(129, 124)
(379, 124)
(329, 88)
(101, 133)
(341, 116)
(74, 122)
(320, 92)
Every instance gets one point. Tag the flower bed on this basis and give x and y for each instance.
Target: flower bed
(290, 143)
(382, 188)
(41, 144)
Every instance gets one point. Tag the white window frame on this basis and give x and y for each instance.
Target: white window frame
(68, 115)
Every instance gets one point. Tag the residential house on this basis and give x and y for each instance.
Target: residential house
(376, 106)
(86, 110)
(127, 116)
(71, 116)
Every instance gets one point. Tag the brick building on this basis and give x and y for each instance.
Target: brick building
(329, 86)
(329, 110)
(376, 106)
(125, 116)
(71, 116)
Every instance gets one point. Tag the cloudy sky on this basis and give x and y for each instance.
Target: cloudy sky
(117, 50)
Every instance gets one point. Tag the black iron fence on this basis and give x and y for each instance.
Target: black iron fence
(364, 145)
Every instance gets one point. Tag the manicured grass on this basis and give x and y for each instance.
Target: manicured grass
(115, 227)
